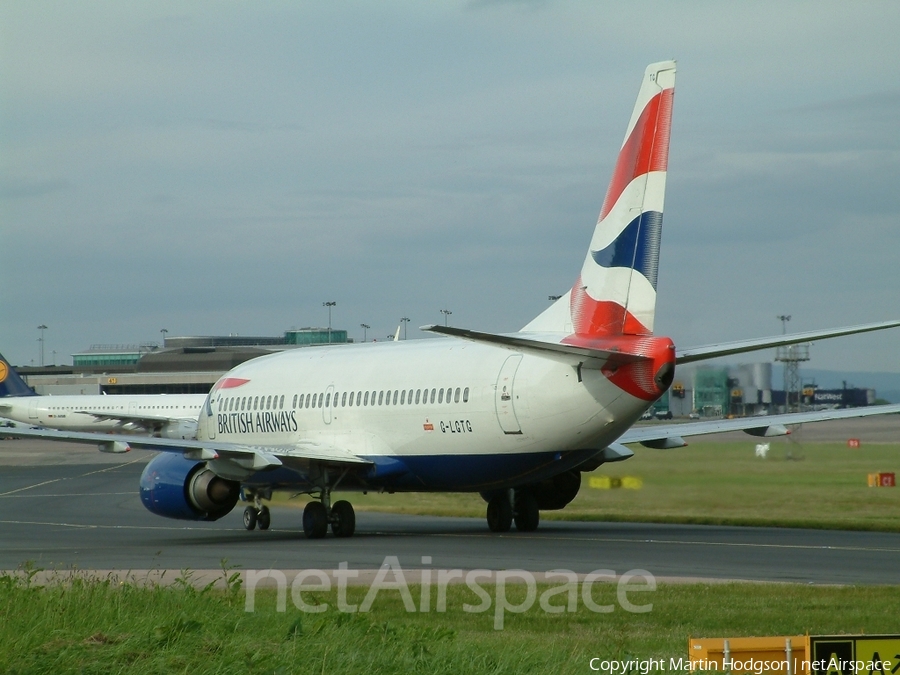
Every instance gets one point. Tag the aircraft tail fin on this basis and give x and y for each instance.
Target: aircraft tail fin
(615, 294)
(11, 384)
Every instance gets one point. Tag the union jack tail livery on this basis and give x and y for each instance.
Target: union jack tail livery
(615, 294)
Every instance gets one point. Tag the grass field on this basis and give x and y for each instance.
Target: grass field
(103, 627)
(820, 485)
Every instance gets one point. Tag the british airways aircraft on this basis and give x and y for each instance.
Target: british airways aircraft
(515, 417)
(172, 416)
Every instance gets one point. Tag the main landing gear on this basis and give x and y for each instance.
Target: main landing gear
(318, 515)
(519, 506)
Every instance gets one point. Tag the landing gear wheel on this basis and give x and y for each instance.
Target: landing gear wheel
(527, 514)
(263, 518)
(250, 518)
(315, 520)
(499, 514)
(343, 519)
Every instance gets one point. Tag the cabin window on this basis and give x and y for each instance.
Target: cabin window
(315, 397)
(366, 402)
(433, 394)
(449, 393)
(327, 400)
(344, 399)
(243, 402)
(294, 403)
(440, 395)
(358, 397)
(466, 395)
(456, 396)
(396, 394)
(403, 397)
(418, 393)
(380, 397)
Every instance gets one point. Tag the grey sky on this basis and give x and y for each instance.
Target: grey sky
(215, 168)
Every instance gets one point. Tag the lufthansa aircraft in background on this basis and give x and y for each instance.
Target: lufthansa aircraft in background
(515, 417)
(172, 416)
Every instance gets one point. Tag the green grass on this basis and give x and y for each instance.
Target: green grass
(820, 485)
(104, 627)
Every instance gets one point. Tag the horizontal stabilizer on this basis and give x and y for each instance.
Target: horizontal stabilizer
(741, 346)
(768, 426)
(573, 354)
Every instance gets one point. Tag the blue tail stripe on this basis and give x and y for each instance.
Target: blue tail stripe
(637, 247)
(10, 382)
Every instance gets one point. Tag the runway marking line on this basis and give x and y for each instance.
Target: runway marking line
(7, 495)
(55, 480)
(803, 547)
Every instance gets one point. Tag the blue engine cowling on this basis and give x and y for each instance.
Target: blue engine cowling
(175, 487)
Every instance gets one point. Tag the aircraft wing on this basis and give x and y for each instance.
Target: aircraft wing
(741, 346)
(146, 421)
(255, 457)
(672, 435)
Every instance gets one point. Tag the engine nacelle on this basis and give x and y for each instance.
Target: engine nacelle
(556, 493)
(551, 494)
(175, 487)
(180, 430)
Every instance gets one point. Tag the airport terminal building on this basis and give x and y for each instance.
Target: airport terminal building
(181, 365)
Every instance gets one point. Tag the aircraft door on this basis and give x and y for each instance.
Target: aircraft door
(210, 418)
(33, 410)
(505, 396)
(329, 404)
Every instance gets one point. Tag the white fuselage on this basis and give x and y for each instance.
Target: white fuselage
(420, 402)
(74, 412)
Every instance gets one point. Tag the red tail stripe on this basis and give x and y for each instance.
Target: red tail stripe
(647, 148)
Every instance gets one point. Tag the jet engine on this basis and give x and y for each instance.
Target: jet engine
(556, 493)
(552, 494)
(175, 487)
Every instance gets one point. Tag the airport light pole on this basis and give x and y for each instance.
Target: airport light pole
(404, 321)
(42, 328)
(365, 327)
(446, 313)
(163, 331)
(329, 305)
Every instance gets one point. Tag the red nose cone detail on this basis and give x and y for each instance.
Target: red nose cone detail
(647, 380)
(230, 383)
